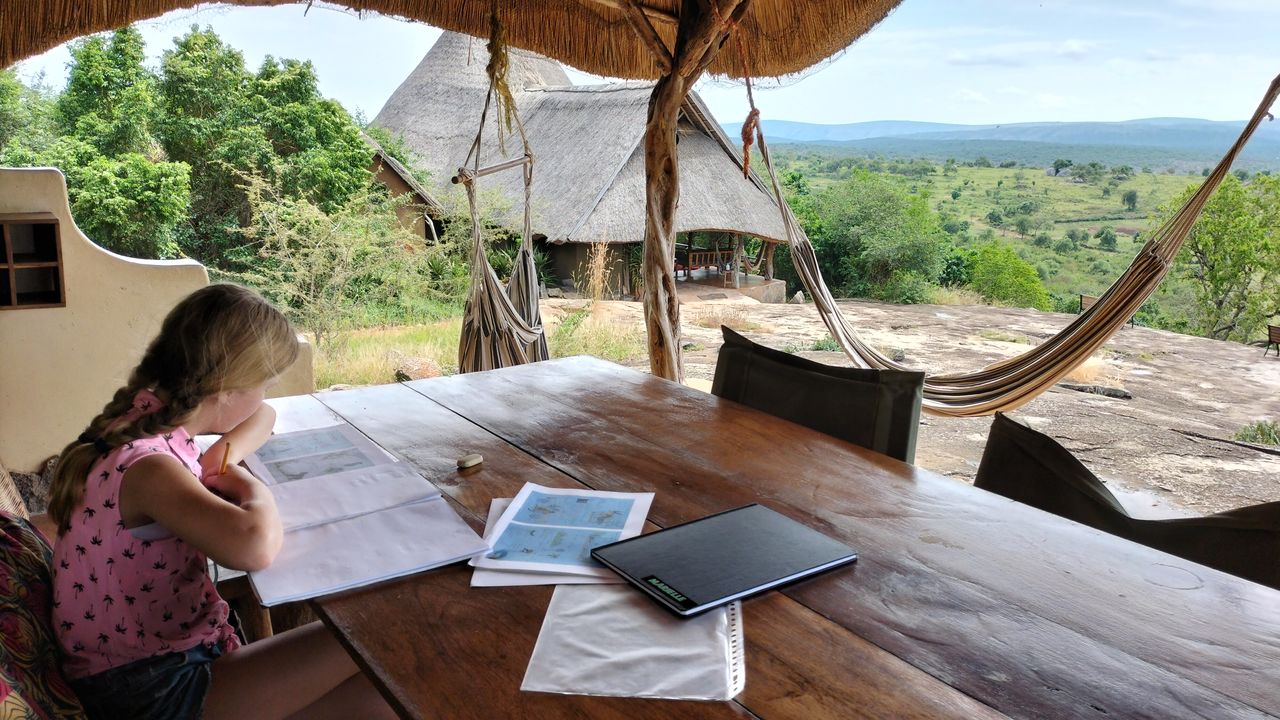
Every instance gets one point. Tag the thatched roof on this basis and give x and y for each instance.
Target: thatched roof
(587, 145)
(784, 36)
(424, 197)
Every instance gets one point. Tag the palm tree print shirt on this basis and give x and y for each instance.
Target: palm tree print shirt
(122, 595)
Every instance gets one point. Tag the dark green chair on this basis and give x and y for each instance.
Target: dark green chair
(1032, 468)
(877, 409)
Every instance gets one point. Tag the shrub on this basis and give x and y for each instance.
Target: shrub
(1262, 432)
(1006, 279)
(826, 344)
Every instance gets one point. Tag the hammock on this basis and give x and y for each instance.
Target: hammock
(501, 326)
(1010, 383)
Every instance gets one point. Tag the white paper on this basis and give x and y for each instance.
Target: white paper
(315, 500)
(336, 556)
(352, 515)
(486, 577)
(288, 457)
(553, 529)
(612, 640)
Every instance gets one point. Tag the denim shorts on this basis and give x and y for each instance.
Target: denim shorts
(163, 687)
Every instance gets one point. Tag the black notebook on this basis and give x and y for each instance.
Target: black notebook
(720, 558)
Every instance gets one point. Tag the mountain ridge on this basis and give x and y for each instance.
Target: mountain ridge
(1167, 141)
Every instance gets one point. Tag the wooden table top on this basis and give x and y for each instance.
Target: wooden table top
(962, 604)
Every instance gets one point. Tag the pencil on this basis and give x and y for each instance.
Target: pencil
(226, 455)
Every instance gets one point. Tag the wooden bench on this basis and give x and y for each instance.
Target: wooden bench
(1088, 301)
(1273, 340)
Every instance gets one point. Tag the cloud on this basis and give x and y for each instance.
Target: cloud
(1022, 54)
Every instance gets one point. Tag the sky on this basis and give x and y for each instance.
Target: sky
(954, 61)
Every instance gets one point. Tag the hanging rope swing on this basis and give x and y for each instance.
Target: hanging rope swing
(1010, 383)
(501, 326)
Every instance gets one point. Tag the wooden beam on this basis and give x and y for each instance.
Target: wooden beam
(653, 13)
(699, 35)
(644, 30)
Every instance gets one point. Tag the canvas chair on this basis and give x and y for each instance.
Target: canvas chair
(877, 409)
(1032, 468)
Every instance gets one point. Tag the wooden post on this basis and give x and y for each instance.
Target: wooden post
(737, 260)
(770, 247)
(699, 34)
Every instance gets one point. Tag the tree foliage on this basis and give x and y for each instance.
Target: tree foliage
(1232, 258)
(875, 239)
(1004, 278)
(325, 267)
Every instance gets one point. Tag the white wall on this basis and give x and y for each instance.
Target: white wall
(59, 366)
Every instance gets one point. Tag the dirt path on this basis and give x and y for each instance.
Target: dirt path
(1148, 447)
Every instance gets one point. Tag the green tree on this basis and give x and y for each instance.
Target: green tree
(1106, 238)
(110, 97)
(326, 269)
(1130, 199)
(1232, 258)
(1060, 164)
(875, 239)
(1023, 225)
(226, 122)
(1002, 277)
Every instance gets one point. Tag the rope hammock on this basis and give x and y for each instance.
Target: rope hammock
(501, 326)
(1010, 383)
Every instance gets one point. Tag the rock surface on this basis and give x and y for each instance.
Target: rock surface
(1166, 451)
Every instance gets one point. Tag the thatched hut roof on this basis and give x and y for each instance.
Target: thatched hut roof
(422, 195)
(784, 36)
(587, 145)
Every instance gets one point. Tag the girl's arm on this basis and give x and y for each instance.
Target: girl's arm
(245, 439)
(242, 532)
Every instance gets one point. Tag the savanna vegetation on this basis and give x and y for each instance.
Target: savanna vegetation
(259, 177)
(1036, 237)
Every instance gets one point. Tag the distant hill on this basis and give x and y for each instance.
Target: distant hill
(1180, 143)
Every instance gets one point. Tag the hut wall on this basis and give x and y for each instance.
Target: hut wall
(62, 364)
(410, 214)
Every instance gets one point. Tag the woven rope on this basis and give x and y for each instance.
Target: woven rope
(501, 326)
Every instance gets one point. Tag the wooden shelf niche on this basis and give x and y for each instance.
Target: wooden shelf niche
(30, 261)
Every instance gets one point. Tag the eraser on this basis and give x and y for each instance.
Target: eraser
(467, 461)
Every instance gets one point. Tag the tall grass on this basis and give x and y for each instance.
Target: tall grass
(592, 332)
(370, 357)
(735, 318)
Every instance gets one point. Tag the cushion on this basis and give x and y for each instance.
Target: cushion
(1032, 468)
(877, 409)
(29, 656)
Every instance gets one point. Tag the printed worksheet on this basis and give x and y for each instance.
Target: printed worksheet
(553, 530)
(312, 453)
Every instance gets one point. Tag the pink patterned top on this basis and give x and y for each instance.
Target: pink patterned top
(122, 595)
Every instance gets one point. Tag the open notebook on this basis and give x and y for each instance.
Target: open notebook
(352, 516)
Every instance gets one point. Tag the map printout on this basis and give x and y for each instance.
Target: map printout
(553, 529)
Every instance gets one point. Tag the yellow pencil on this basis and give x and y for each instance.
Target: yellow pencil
(226, 455)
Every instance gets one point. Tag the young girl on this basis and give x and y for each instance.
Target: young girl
(143, 630)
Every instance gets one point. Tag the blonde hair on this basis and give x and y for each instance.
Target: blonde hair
(217, 339)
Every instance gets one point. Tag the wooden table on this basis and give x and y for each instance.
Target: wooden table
(962, 603)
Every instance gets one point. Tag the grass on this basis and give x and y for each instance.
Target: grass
(1002, 336)
(583, 332)
(713, 316)
(826, 344)
(955, 296)
(370, 357)
(1261, 432)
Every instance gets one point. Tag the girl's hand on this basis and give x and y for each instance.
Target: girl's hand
(234, 485)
